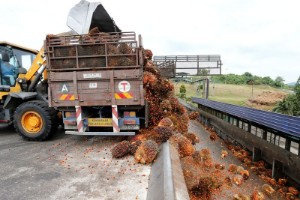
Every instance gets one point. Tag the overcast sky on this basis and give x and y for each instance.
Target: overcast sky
(258, 36)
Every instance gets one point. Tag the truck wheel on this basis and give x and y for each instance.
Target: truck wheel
(34, 120)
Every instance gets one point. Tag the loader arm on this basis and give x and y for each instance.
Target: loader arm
(37, 65)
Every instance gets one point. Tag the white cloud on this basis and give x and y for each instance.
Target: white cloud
(259, 36)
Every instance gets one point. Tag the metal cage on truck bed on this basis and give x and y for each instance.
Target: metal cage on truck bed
(98, 75)
(103, 50)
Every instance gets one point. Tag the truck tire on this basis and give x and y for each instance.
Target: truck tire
(34, 120)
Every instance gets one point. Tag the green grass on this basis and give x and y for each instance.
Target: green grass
(227, 93)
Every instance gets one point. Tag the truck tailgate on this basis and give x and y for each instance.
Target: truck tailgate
(96, 88)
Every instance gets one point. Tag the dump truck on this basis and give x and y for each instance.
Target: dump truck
(96, 82)
(37, 91)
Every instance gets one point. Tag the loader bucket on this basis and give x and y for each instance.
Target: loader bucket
(87, 15)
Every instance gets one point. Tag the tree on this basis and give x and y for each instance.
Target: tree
(182, 91)
(267, 80)
(288, 106)
(297, 88)
(279, 81)
(203, 72)
(291, 104)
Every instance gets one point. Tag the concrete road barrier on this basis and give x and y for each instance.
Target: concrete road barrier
(166, 176)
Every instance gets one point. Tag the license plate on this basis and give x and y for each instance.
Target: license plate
(100, 122)
(130, 127)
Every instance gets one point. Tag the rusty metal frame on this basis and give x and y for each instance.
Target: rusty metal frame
(169, 64)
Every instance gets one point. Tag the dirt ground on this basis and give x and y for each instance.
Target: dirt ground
(266, 100)
(68, 167)
(215, 147)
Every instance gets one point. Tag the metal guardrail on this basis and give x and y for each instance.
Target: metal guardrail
(247, 128)
(285, 124)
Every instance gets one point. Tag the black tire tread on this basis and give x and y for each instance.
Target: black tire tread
(50, 119)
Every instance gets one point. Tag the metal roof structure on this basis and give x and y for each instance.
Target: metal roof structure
(283, 123)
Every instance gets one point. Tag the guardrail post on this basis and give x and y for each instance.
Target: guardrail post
(264, 135)
(256, 156)
(287, 144)
(277, 169)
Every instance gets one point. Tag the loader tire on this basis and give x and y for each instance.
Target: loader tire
(34, 120)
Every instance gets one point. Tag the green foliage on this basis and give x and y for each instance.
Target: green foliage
(203, 72)
(291, 104)
(297, 88)
(248, 78)
(182, 91)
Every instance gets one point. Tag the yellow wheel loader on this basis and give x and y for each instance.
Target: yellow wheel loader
(24, 82)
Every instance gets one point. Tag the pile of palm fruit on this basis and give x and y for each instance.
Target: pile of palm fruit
(260, 168)
(168, 119)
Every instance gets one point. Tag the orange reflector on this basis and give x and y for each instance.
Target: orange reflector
(129, 122)
(132, 114)
(70, 114)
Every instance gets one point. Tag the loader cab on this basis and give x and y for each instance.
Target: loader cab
(14, 60)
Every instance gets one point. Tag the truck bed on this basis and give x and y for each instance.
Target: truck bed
(94, 70)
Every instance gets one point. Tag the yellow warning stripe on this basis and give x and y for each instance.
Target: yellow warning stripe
(64, 97)
(123, 95)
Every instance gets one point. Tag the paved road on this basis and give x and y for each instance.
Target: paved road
(215, 147)
(67, 167)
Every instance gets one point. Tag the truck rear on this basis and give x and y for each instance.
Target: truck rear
(96, 81)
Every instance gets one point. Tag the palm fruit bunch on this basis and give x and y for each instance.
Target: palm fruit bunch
(150, 67)
(174, 140)
(192, 137)
(121, 149)
(202, 157)
(164, 88)
(148, 54)
(165, 105)
(112, 49)
(149, 79)
(207, 184)
(146, 152)
(134, 146)
(177, 108)
(166, 122)
(194, 115)
(227, 181)
(257, 195)
(205, 154)
(213, 136)
(219, 166)
(293, 190)
(238, 180)
(241, 197)
(185, 147)
(268, 190)
(191, 172)
(163, 133)
(184, 123)
(232, 168)
(124, 48)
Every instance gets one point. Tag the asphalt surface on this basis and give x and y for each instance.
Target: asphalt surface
(67, 167)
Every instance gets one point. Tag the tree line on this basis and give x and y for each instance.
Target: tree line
(248, 78)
